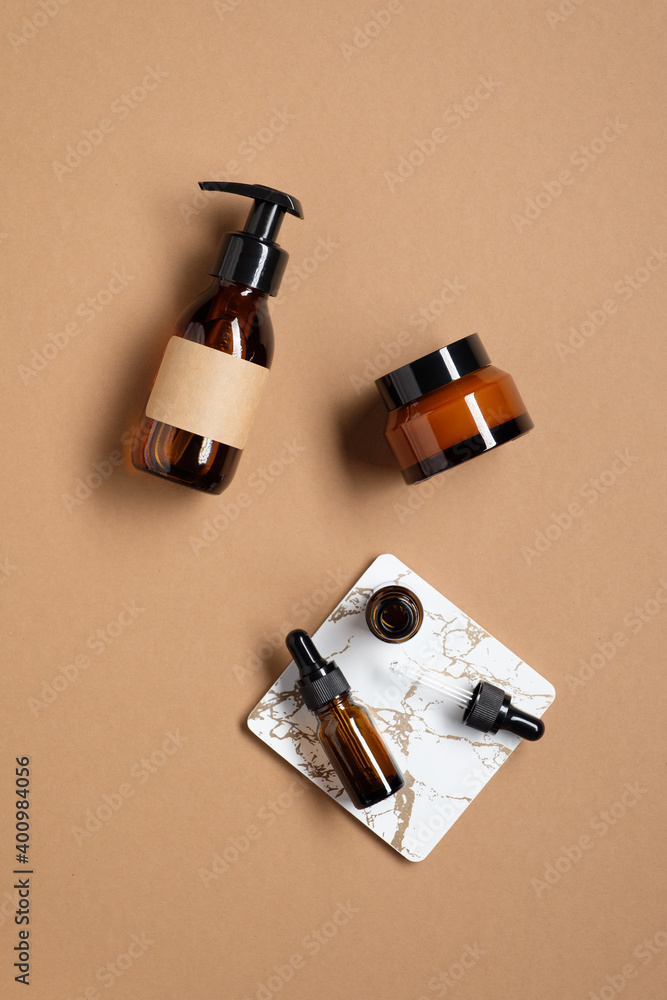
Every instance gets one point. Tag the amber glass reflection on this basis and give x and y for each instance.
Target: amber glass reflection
(449, 415)
(365, 767)
(231, 318)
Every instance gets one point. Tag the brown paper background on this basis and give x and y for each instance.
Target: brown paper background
(333, 500)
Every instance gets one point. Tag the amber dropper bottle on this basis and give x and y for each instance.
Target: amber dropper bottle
(213, 371)
(345, 729)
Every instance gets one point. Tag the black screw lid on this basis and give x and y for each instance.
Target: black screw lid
(252, 257)
(406, 384)
(321, 680)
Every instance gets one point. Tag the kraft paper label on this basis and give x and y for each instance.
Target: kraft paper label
(206, 392)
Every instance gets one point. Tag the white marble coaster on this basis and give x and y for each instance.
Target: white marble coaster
(444, 762)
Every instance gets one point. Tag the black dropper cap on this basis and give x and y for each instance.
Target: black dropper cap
(490, 709)
(320, 680)
(252, 257)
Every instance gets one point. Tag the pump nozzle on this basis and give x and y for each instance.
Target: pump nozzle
(252, 257)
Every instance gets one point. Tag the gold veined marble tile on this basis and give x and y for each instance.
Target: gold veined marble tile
(445, 763)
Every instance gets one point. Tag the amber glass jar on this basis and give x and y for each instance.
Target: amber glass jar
(448, 407)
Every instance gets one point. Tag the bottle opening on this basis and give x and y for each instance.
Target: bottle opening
(394, 614)
(395, 618)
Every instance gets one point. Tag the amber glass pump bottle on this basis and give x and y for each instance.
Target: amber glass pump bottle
(213, 371)
(345, 729)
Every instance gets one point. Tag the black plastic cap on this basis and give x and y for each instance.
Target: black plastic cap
(490, 709)
(251, 262)
(410, 382)
(485, 707)
(320, 680)
(252, 257)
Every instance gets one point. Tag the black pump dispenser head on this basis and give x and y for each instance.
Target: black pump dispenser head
(252, 257)
(320, 680)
